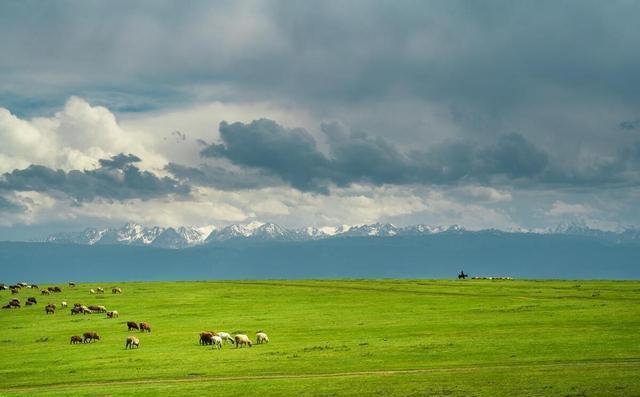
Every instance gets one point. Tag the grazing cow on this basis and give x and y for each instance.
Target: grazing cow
(34, 286)
(145, 327)
(86, 310)
(32, 300)
(225, 337)
(16, 300)
(216, 341)
(90, 336)
(116, 290)
(28, 303)
(132, 325)
(14, 291)
(63, 304)
(100, 290)
(55, 289)
(72, 285)
(242, 340)
(261, 338)
(131, 342)
(23, 284)
(49, 309)
(206, 338)
(75, 339)
(76, 310)
(14, 303)
(112, 314)
(97, 308)
(45, 292)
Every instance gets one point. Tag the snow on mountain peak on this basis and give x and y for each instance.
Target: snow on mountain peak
(188, 236)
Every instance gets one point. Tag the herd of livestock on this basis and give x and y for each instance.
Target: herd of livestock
(212, 338)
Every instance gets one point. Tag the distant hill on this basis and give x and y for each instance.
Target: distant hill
(438, 255)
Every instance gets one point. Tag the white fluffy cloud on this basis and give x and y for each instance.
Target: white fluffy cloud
(74, 138)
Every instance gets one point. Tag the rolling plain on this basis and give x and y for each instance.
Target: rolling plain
(332, 338)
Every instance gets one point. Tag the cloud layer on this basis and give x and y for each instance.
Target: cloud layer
(355, 157)
(495, 114)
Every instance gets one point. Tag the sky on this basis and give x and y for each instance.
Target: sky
(493, 114)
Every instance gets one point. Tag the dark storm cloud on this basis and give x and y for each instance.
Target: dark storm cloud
(222, 178)
(119, 161)
(487, 55)
(264, 144)
(117, 179)
(355, 157)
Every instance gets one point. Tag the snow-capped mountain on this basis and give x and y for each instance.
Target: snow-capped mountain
(131, 234)
(189, 236)
(135, 234)
(376, 229)
(87, 236)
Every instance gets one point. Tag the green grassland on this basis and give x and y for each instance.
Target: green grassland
(333, 338)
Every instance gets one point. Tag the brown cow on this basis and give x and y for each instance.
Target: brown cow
(90, 336)
(72, 285)
(206, 338)
(32, 300)
(14, 303)
(116, 290)
(145, 327)
(45, 292)
(76, 339)
(49, 309)
(76, 310)
(132, 325)
(131, 342)
(56, 289)
(112, 314)
(28, 303)
(14, 291)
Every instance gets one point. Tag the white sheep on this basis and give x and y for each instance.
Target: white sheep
(242, 340)
(261, 338)
(216, 341)
(225, 337)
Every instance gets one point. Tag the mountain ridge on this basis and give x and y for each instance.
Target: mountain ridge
(191, 236)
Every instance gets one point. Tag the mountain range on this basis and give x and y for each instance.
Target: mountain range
(190, 236)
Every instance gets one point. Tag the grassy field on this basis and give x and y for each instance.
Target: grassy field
(334, 338)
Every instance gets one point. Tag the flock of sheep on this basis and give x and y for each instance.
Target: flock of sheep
(213, 338)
